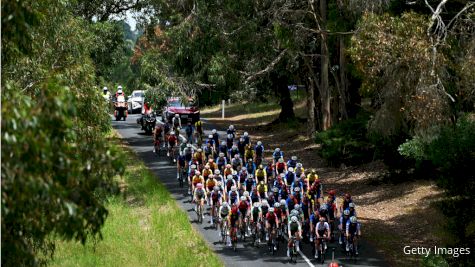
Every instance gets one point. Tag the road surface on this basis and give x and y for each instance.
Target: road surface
(246, 255)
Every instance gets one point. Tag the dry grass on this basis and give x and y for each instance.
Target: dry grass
(393, 215)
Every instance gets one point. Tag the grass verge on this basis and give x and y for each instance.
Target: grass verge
(144, 228)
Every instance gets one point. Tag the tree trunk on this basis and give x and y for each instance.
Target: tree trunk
(324, 87)
(343, 80)
(286, 104)
(310, 107)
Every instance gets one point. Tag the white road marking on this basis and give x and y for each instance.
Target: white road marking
(303, 255)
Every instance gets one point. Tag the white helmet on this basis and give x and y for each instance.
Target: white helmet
(229, 176)
(291, 169)
(105, 88)
(259, 143)
(231, 127)
(243, 198)
(246, 194)
(176, 115)
(172, 132)
(246, 134)
(119, 91)
(213, 131)
(230, 136)
(271, 210)
(256, 204)
(223, 143)
(281, 160)
(119, 87)
(351, 205)
(294, 158)
(193, 166)
(210, 136)
(200, 150)
(282, 202)
(217, 172)
(188, 145)
(233, 188)
(226, 204)
(264, 202)
(234, 147)
(294, 219)
(277, 150)
(297, 206)
(221, 154)
(299, 165)
(353, 219)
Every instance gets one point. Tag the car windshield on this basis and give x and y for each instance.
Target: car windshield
(175, 103)
(138, 94)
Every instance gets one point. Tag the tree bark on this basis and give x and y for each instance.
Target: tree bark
(310, 107)
(343, 80)
(324, 87)
(286, 104)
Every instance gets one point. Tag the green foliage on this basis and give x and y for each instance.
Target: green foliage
(434, 261)
(346, 142)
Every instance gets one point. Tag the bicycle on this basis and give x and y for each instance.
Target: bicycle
(224, 231)
(273, 245)
(216, 217)
(234, 237)
(199, 212)
(255, 234)
(181, 176)
(293, 250)
(321, 249)
(352, 248)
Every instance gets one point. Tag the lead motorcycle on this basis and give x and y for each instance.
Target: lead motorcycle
(148, 122)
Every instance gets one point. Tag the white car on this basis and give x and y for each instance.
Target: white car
(135, 101)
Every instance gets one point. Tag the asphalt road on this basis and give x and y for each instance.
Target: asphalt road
(246, 255)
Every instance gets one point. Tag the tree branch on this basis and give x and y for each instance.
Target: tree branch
(269, 68)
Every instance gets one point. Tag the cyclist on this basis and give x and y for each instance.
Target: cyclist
(242, 178)
(221, 160)
(217, 175)
(322, 231)
(223, 148)
(292, 162)
(255, 218)
(233, 151)
(233, 196)
(244, 209)
(262, 189)
(313, 223)
(295, 230)
(215, 198)
(353, 231)
(211, 141)
(236, 162)
(270, 172)
(209, 151)
(223, 213)
(215, 137)
(176, 122)
(241, 147)
(277, 155)
(207, 172)
(172, 143)
(228, 170)
(191, 174)
(247, 139)
(199, 132)
(299, 170)
(229, 183)
(351, 207)
(189, 130)
(254, 195)
(290, 177)
(311, 178)
(200, 157)
(210, 184)
(181, 165)
(249, 153)
(346, 202)
(231, 131)
(229, 141)
(342, 226)
(270, 198)
(296, 183)
(157, 138)
(272, 223)
(280, 167)
(250, 166)
(197, 179)
(261, 174)
(331, 213)
(259, 152)
(234, 222)
(199, 197)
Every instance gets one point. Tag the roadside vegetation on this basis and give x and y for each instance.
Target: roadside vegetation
(144, 227)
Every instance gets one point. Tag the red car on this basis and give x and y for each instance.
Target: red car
(187, 112)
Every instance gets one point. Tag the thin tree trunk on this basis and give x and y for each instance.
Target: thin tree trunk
(310, 107)
(343, 80)
(286, 104)
(324, 87)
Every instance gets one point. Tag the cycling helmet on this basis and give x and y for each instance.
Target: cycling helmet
(177, 116)
(271, 210)
(347, 195)
(226, 204)
(324, 207)
(223, 143)
(297, 189)
(275, 189)
(193, 166)
(281, 160)
(230, 136)
(243, 198)
(229, 176)
(259, 143)
(233, 188)
(282, 202)
(244, 170)
(352, 205)
(322, 219)
(249, 160)
(291, 169)
(299, 165)
(234, 147)
(221, 154)
(312, 171)
(216, 188)
(228, 165)
(234, 172)
(261, 167)
(207, 167)
(264, 202)
(199, 185)
(246, 133)
(277, 150)
(297, 206)
(294, 219)
(213, 131)
(188, 145)
(197, 173)
(276, 205)
(353, 219)
(231, 127)
(282, 175)
(294, 157)
(294, 213)
(210, 136)
(105, 88)
(246, 194)
(346, 212)
(172, 133)
(256, 204)
(236, 156)
(250, 176)
(217, 172)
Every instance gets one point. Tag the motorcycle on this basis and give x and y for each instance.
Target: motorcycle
(120, 110)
